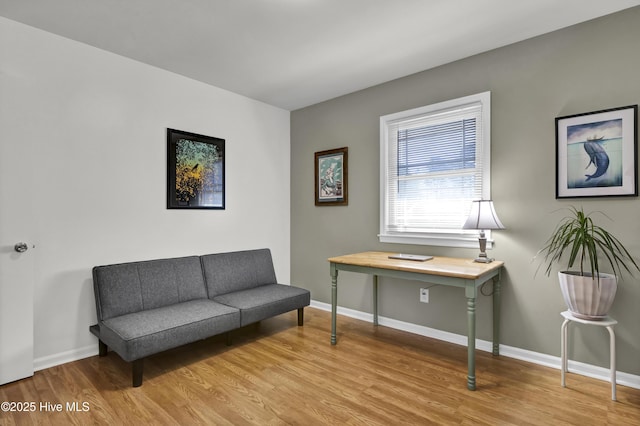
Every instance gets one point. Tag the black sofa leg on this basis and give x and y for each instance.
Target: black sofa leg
(102, 348)
(300, 316)
(227, 336)
(137, 372)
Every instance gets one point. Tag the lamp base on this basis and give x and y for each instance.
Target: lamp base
(482, 257)
(484, 260)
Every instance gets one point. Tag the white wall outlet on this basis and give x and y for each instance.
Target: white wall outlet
(424, 295)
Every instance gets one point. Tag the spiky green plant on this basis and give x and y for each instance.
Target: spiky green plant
(584, 241)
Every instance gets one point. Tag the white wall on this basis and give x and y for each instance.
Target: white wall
(96, 123)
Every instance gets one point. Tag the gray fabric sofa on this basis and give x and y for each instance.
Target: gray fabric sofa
(150, 306)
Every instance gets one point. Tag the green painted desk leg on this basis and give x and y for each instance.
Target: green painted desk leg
(334, 301)
(471, 343)
(496, 315)
(375, 300)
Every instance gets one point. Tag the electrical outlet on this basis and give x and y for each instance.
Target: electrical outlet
(424, 295)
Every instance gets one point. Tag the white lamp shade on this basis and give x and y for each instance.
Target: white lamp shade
(483, 216)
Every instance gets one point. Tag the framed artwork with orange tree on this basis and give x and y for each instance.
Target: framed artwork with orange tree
(195, 171)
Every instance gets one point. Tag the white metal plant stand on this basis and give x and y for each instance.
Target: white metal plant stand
(606, 322)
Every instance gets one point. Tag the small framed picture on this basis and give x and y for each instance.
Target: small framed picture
(596, 154)
(331, 172)
(195, 171)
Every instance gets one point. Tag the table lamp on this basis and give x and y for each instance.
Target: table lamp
(483, 216)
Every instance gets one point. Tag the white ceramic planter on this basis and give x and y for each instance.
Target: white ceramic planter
(584, 297)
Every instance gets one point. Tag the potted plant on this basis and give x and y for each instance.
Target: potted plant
(588, 292)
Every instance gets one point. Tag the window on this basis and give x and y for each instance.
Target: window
(434, 161)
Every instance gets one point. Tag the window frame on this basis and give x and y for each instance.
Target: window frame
(433, 237)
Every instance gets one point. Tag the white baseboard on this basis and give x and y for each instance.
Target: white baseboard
(576, 367)
(64, 357)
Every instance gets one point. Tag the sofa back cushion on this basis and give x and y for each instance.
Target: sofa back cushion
(228, 272)
(137, 286)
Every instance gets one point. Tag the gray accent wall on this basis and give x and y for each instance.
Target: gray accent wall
(587, 67)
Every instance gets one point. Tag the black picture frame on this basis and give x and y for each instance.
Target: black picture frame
(596, 154)
(195, 171)
(331, 177)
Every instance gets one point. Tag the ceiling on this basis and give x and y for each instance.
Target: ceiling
(295, 53)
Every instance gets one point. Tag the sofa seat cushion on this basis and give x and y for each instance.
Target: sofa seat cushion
(139, 334)
(265, 301)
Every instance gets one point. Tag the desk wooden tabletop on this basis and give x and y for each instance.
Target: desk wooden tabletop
(444, 266)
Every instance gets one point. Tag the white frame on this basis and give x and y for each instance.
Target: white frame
(461, 238)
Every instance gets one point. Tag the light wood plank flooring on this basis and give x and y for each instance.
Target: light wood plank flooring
(277, 373)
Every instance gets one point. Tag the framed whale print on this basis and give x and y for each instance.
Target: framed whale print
(596, 154)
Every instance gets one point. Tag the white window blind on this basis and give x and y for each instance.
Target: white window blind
(434, 163)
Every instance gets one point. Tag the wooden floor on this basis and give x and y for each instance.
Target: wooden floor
(276, 373)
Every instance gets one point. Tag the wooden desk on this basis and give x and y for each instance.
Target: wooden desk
(448, 271)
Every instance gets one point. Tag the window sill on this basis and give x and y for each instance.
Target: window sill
(442, 240)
